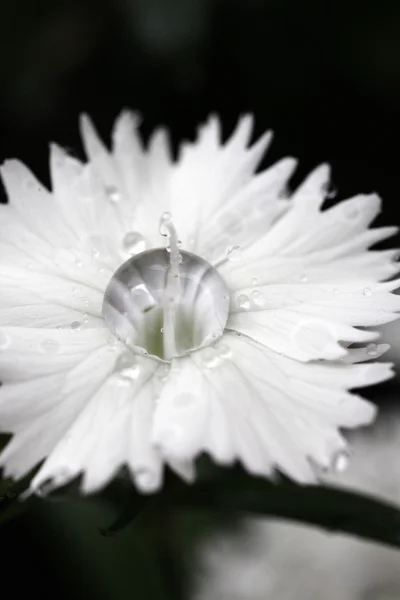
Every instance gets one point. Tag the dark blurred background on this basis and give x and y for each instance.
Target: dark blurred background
(325, 76)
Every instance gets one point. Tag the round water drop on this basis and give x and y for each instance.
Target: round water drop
(137, 295)
(4, 340)
(243, 301)
(340, 461)
(367, 291)
(234, 253)
(112, 193)
(210, 357)
(224, 351)
(257, 298)
(396, 257)
(146, 481)
(303, 278)
(134, 243)
(372, 350)
(75, 325)
(79, 263)
(254, 281)
(50, 346)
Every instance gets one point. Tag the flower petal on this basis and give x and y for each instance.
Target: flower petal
(278, 412)
(308, 321)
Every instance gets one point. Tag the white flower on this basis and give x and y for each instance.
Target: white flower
(272, 391)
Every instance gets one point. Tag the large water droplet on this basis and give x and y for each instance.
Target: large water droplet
(135, 298)
(75, 325)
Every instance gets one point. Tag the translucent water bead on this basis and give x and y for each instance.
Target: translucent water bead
(154, 316)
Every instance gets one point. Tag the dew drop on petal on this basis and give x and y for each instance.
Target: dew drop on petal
(340, 461)
(224, 351)
(372, 350)
(133, 243)
(210, 357)
(4, 340)
(146, 480)
(257, 297)
(112, 193)
(367, 291)
(303, 278)
(396, 257)
(254, 281)
(75, 325)
(50, 346)
(234, 253)
(243, 301)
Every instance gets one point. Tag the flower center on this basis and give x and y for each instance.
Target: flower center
(166, 302)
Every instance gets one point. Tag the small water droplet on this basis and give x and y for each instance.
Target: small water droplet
(85, 301)
(210, 358)
(79, 263)
(257, 298)
(179, 243)
(134, 243)
(367, 291)
(340, 461)
(303, 278)
(162, 329)
(165, 220)
(112, 193)
(4, 340)
(50, 346)
(234, 253)
(372, 350)
(224, 351)
(146, 480)
(75, 325)
(335, 291)
(243, 301)
(254, 281)
(396, 257)
(329, 191)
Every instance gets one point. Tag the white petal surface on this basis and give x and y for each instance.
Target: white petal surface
(242, 401)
